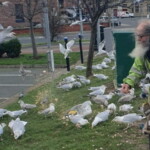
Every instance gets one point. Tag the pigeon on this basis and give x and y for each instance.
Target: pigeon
(18, 127)
(77, 22)
(78, 120)
(129, 118)
(2, 125)
(101, 76)
(83, 109)
(125, 107)
(64, 50)
(100, 117)
(100, 48)
(26, 106)
(17, 113)
(48, 110)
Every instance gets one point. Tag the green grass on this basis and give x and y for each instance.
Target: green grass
(57, 133)
(42, 59)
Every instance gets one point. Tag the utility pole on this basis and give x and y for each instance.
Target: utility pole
(80, 15)
(48, 37)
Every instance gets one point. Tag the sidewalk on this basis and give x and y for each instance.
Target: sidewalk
(55, 48)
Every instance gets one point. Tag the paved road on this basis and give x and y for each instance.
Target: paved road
(12, 83)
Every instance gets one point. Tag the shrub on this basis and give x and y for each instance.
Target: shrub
(2, 49)
(13, 48)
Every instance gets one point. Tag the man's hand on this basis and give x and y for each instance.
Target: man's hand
(125, 88)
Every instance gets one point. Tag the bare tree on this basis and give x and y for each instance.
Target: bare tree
(95, 9)
(31, 8)
(54, 19)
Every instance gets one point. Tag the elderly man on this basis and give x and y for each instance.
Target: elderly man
(141, 53)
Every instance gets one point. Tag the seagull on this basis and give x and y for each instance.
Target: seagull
(48, 110)
(101, 76)
(100, 117)
(2, 112)
(78, 120)
(64, 50)
(2, 125)
(99, 91)
(23, 71)
(83, 109)
(6, 33)
(6, 3)
(129, 118)
(125, 107)
(80, 67)
(66, 87)
(107, 60)
(112, 107)
(16, 113)
(126, 98)
(100, 48)
(77, 22)
(69, 79)
(18, 127)
(100, 101)
(26, 106)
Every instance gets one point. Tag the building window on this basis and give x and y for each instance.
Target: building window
(148, 8)
(19, 13)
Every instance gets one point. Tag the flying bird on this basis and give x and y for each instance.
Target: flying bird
(66, 50)
(101, 48)
(77, 22)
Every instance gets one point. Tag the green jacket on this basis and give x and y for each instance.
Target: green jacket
(138, 71)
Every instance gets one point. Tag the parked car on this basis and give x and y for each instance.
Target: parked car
(125, 14)
(113, 20)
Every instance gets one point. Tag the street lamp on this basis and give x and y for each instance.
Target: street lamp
(48, 36)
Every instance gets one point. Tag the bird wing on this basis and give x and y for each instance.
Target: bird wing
(70, 44)
(101, 45)
(62, 49)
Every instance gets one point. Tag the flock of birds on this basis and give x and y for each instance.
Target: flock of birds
(77, 114)
(16, 125)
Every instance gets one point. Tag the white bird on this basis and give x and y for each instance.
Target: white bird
(125, 107)
(2, 112)
(99, 91)
(100, 48)
(101, 76)
(48, 110)
(129, 118)
(100, 101)
(16, 113)
(6, 33)
(100, 117)
(66, 50)
(1, 27)
(26, 106)
(80, 67)
(18, 127)
(104, 65)
(77, 22)
(126, 98)
(83, 109)
(107, 60)
(97, 88)
(6, 3)
(78, 120)
(69, 79)
(76, 84)
(112, 107)
(98, 67)
(66, 87)
(2, 125)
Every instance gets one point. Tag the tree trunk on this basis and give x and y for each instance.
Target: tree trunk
(35, 53)
(91, 51)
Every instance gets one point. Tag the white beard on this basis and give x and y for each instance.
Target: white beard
(138, 51)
